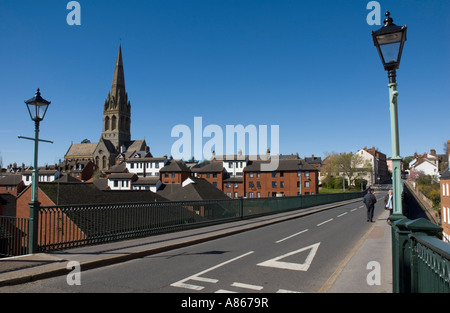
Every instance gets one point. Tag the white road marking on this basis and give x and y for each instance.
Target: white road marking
(342, 214)
(325, 222)
(293, 266)
(182, 284)
(247, 286)
(301, 232)
(225, 291)
(353, 209)
(287, 291)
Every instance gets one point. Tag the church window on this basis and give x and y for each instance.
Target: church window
(113, 122)
(107, 123)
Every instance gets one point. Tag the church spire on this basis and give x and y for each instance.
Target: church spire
(118, 83)
(117, 109)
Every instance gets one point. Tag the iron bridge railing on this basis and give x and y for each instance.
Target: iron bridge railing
(69, 226)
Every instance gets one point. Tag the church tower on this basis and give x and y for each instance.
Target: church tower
(117, 110)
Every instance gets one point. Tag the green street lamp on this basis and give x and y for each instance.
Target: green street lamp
(37, 107)
(389, 41)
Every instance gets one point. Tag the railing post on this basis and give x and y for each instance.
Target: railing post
(418, 226)
(241, 207)
(399, 244)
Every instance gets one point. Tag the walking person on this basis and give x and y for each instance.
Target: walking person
(370, 200)
(388, 202)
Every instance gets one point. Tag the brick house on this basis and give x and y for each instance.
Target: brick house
(292, 178)
(73, 193)
(212, 172)
(445, 198)
(81, 170)
(445, 204)
(234, 187)
(12, 184)
(174, 172)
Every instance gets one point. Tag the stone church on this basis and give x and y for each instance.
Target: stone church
(115, 140)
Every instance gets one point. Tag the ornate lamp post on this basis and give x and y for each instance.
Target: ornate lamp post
(37, 107)
(389, 41)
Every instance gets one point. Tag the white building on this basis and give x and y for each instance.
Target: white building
(121, 181)
(145, 166)
(43, 176)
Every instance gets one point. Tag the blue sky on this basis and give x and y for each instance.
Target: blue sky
(308, 66)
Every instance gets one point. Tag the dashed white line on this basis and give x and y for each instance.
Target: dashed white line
(247, 286)
(287, 291)
(342, 214)
(300, 232)
(225, 291)
(354, 209)
(320, 224)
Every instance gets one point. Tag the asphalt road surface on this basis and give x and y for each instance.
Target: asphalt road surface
(295, 256)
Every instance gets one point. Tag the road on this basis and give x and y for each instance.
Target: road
(298, 255)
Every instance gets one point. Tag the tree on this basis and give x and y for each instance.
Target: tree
(352, 166)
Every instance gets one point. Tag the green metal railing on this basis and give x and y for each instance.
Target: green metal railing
(69, 226)
(13, 236)
(421, 261)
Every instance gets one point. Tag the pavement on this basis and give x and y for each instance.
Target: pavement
(366, 269)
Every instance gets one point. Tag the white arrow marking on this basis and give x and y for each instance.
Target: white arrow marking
(293, 266)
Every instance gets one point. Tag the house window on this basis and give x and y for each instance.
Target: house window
(214, 175)
(250, 174)
(258, 184)
(207, 175)
(306, 184)
(258, 195)
(215, 184)
(274, 184)
(250, 194)
(235, 185)
(156, 165)
(307, 173)
(274, 174)
(258, 174)
(131, 165)
(250, 184)
(281, 174)
(282, 184)
(173, 174)
(166, 174)
(235, 194)
(228, 185)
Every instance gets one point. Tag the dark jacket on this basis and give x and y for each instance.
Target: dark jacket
(369, 200)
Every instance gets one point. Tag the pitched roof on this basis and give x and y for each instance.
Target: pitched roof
(216, 166)
(118, 168)
(445, 174)
(10, 180)
(196, 189)
(81, 149)
(175, 166)
(146, 181)
(86, 193)
(67, 179)
(283, 165)
(122, 176)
